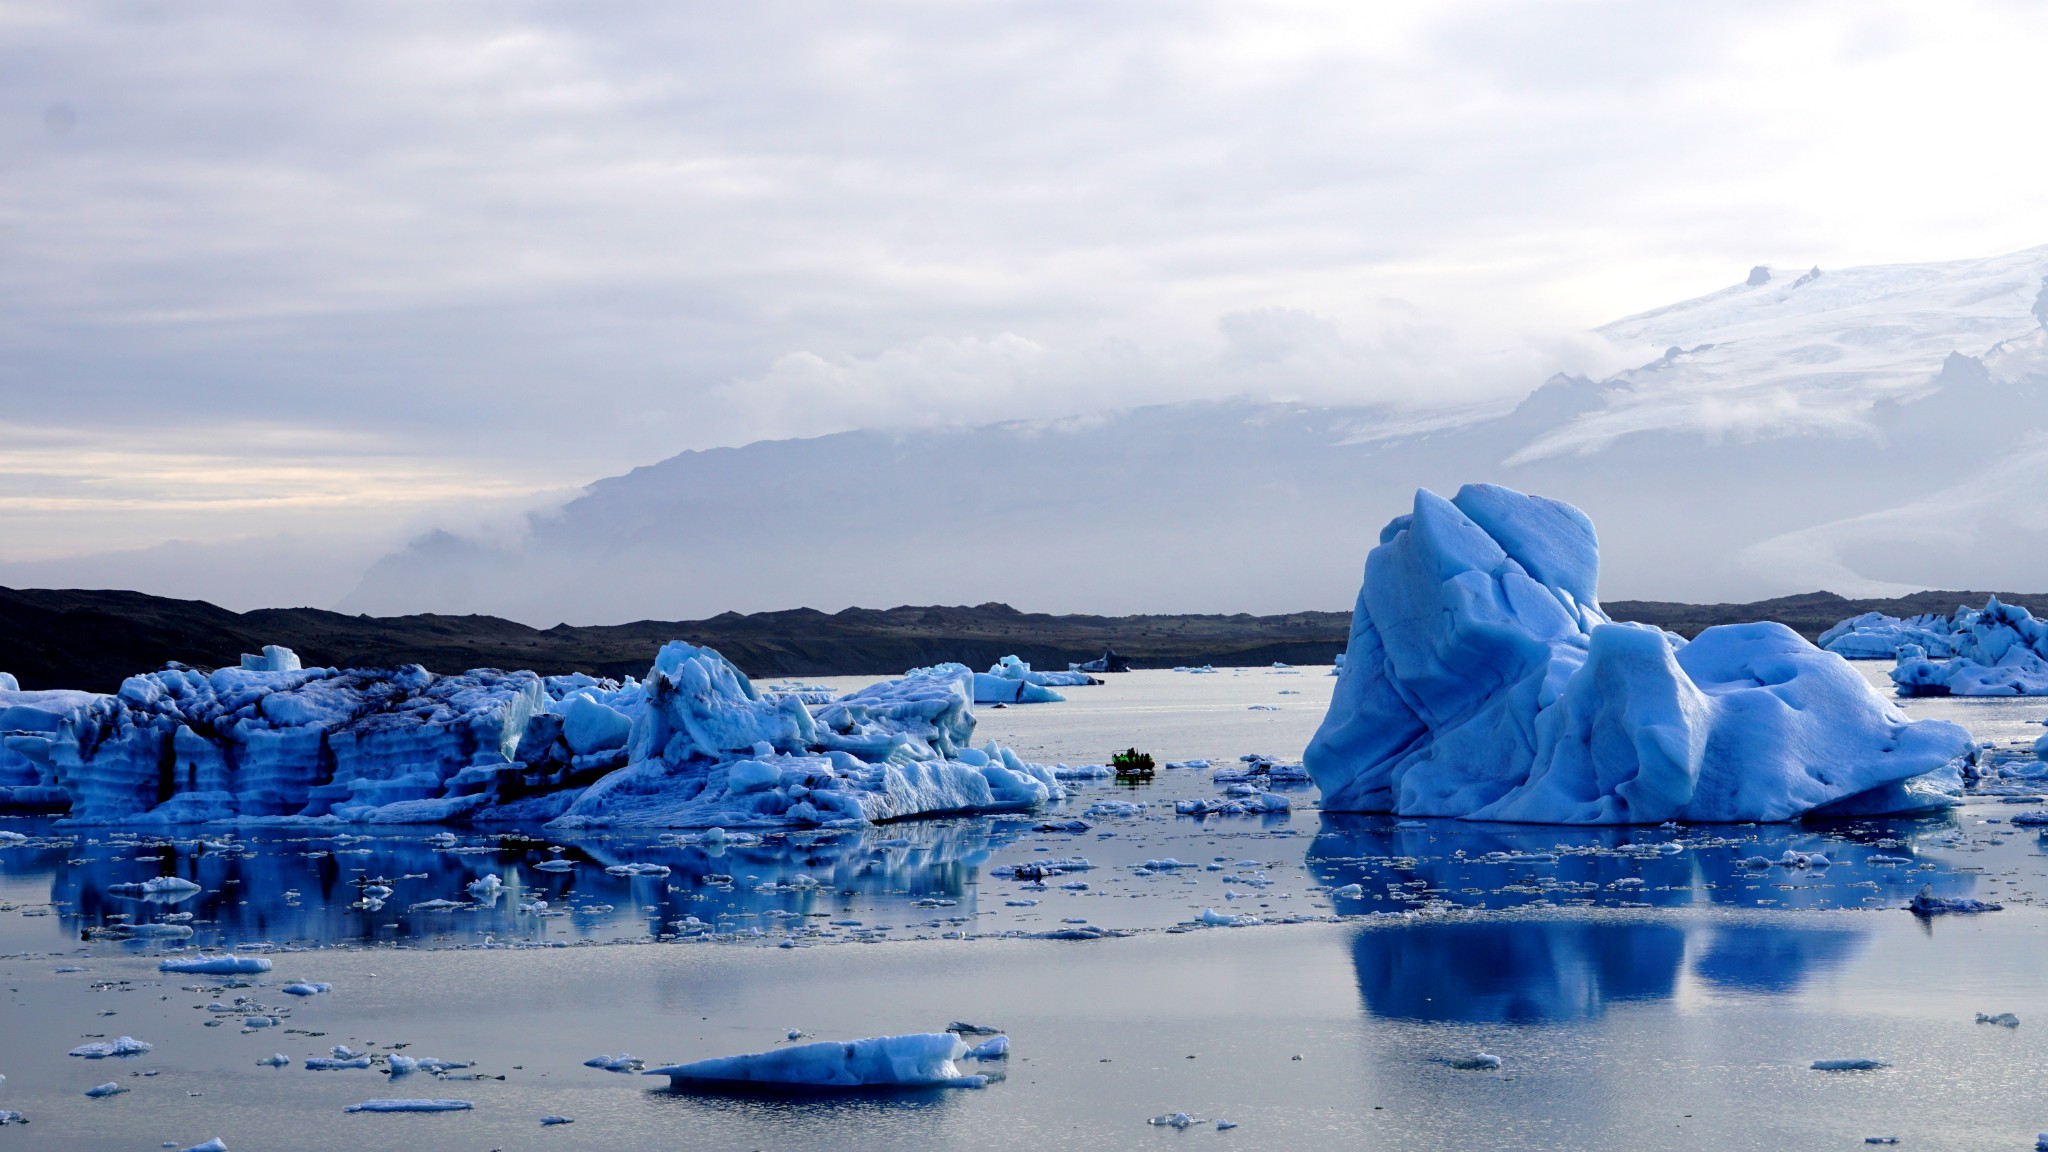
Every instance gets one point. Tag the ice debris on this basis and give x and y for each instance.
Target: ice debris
(225, 965)
(1483, 681)
(1926, 903)
(104, 1090)
(214, 1145)
(2003, 1020)
(1854, 1064)
(917, 1060)
(619, 1063)
(304, 988)
(411, 1106)
(100, 1050)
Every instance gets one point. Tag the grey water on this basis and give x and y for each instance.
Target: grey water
(1644, 987)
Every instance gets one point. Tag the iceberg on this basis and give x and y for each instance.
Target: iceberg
(694, 745)
(1483, 681)
(1876, 636)
(921, 1060)
(1998, 650)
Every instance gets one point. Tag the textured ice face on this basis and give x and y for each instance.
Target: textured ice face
(1483, 681)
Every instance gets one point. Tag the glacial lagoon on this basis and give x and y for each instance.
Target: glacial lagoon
(1643, 987)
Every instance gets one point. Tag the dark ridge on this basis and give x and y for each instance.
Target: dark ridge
(1809, 613)
(70, 638)
(95, 639)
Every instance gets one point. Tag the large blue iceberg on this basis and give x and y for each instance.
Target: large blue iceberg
(1483, 681)
(694, 745)
(1997, 650)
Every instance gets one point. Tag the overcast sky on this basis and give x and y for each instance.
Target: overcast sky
(335, 269)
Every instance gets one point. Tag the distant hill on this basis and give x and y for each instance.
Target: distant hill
(94, 639)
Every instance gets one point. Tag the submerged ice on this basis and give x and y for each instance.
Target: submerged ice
(694, 745)
(1484, 681)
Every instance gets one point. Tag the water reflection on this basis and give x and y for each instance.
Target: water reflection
(287, 886)
(1549, 968)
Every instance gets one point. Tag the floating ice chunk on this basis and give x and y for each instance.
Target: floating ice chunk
(918, 1060)
(994, 1048)
(620, 1063)
(487, 887)
(1217, 919)
(1225, 1125)
(1997, 650)
(156, 886)
(1476, 1062)
(214, 1145)
(10, 1116)
(305, 988)
(966, 1028)
(1174, 1120)
(100, 1050)
(411, 1106)
(2003, 1020)
(104, 1090)
(551, 1121)
(1348, 892)
(11, 838)
(1167, 865)
(638, 870)
(276, 1060)
(336, 1063)
(1926, 903)
(1483, 681)
(1854, 1064)
(225, 965)
(555, 866)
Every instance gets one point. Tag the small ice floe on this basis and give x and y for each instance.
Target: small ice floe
(1476, 1062)
(993, 1048)
(1857, 1064)
(437, 905)
(917, 1060)
(486, 887)
(2041, 1142)
(336, 1063)
(1174, 1120)
(1079, 932)
(551, 1121)
(306, 988)
(620, 1063)
(10, 1116)
(104, 1090)
(1225, 1125)
(1025, 903)
(1076, 827)
(965, 1028)
(222, 965)
(12, 838)
(276, 1060)
(100, 1050)
(637, 870)
(2003, 1020)
(411, 1106)
(1793, 859)
(156, 886)
(2030, 818)
(1216, 919)
(1349, 892)
(1167, 865)
(1880, 1139)
(1928, 904)
(214, 1145)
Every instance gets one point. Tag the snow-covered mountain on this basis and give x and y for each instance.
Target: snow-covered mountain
(1862, 430)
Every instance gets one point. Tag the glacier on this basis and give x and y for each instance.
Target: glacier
(695, 744)
(1483, 681)
(1997, 650)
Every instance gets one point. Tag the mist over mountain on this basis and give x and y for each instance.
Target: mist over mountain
(1867, 430)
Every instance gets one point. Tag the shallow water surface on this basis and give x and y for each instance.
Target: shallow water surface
(1644, 987)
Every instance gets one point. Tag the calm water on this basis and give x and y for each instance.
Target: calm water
(1643, 987)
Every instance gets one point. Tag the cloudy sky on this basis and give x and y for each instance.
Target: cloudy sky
(340, 271)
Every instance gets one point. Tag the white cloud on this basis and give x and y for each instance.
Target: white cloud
(520, 244)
